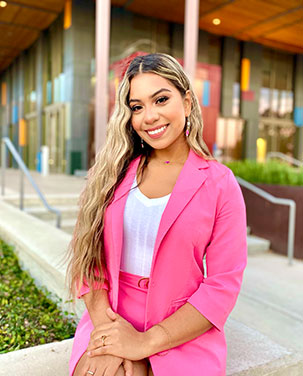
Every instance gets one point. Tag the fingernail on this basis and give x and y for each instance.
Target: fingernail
(89, 353)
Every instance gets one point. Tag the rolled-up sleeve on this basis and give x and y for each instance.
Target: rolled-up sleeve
(97, 285)
(226, 256)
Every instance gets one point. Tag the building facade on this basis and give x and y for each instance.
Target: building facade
(246, 90)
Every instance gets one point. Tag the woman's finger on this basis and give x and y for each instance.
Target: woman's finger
(103, 350)
(128, 367)
(111, 314)
(98, 329)
(102, 340)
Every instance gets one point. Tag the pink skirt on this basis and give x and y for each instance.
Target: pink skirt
(131, 306)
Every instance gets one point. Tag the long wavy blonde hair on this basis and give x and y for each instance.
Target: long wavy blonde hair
(86, 250)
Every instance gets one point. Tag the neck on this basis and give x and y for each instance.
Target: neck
(177, 153)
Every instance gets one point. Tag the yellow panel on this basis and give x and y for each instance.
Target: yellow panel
(68, 14)
(261, 149)
(22, 132)
(245, 74)
(3, 94)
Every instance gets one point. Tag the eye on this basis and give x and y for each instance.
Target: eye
(136, 108)
(162, 99)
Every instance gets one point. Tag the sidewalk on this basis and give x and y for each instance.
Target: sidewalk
(53, 184)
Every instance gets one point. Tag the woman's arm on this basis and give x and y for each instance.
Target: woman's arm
(182, 326)
(96, 303)
(124, 340)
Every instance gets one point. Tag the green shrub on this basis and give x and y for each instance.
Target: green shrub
(271, 172)
(28, 316)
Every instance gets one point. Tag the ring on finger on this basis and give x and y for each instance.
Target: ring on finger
(90, 372)
(103, 338)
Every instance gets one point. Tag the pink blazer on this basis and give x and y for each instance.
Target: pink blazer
(205, 215)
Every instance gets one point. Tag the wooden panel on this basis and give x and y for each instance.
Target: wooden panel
(292, 34)
(278, 23)
(8, 13)
(51, 5)
(169, 10)
(34, 18)
(17, 36)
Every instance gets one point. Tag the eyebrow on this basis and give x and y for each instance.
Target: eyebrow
(152, 96)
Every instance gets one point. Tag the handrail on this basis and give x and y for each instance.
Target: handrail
(287, 158)
(24, 170)
(281, 201)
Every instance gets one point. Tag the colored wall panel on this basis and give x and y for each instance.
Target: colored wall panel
(298, 116)
(22, 132)
(68, 14)
(245, 74)
(206, 94)
(3, 94)
(15, 114)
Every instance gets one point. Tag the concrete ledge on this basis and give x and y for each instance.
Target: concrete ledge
(44, 360)
(249, 353)
(41, 249)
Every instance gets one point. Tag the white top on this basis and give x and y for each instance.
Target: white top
(141, 221)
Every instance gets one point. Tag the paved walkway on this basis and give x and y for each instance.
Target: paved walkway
(53, 184)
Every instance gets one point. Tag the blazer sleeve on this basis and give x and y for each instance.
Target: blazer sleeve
(226, 256)
(97, 285)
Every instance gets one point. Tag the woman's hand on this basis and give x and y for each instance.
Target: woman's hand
(120, 338)
(104, 365)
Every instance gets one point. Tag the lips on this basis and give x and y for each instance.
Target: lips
(157, 131)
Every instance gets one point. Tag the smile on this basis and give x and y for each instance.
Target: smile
(158, 131)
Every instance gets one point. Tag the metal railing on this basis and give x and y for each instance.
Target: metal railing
(281, 201)
(287, 158)
(6, 142)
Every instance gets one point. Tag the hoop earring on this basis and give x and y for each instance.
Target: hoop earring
(142, 143)
(187, 127)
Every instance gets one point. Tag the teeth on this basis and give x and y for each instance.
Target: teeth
(157, 130)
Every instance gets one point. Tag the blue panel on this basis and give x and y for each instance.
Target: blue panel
(49, 92)
(298, 116)
(206, 92)
(15, 115)
(38, 156)
(62, 87)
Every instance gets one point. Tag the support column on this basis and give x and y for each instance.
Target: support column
(102, 64)
(191, 32)
(228, 75)
(298, 106)
(39, 90)
(78, 53)
(251, 79)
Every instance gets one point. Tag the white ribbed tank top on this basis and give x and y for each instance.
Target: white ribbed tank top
(141, 221)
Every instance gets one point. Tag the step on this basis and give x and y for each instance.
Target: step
(34, 200)
(67, 224)
(43, 214)
(256, 245)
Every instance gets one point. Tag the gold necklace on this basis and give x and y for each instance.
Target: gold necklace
(168, 161)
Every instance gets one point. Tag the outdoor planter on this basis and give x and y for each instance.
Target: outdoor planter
(270, 221)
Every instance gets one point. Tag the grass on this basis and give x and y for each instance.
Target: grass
(28, 317)
(271, 172)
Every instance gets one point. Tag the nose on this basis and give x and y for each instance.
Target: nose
(151, 115)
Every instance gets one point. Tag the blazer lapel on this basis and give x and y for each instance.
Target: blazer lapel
(190, 179)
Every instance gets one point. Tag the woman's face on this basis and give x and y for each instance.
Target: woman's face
(158, 110)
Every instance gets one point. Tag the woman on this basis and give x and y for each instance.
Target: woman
(155, 205)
